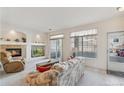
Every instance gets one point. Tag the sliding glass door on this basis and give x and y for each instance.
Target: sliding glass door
(56, 49)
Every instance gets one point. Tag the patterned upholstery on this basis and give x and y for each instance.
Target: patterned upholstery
(11, 67)
(72, 72)
(61, 74)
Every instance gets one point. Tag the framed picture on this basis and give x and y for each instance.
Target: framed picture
(116, 40)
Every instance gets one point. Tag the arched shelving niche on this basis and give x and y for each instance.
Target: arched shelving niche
(13, 37)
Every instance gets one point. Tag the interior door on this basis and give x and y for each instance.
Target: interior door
(116, 53)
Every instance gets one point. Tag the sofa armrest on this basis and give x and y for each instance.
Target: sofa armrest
(18, 60)
(12, 67)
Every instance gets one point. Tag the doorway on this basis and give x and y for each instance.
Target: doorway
(116, 53)
(56, 49)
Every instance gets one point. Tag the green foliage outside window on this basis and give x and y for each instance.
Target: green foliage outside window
(38, 51)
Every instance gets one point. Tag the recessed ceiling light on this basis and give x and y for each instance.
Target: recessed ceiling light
(12, 32)
(38, 36)
(120, 9)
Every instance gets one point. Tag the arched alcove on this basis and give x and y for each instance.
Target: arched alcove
(14, 36)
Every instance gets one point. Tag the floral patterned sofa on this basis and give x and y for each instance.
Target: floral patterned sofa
(66, 73)
(72, 73)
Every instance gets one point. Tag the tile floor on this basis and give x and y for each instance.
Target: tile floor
(94, 78)
(90, 78)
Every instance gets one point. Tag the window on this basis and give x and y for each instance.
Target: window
(56, 46)
(37, 51)
(84, 43)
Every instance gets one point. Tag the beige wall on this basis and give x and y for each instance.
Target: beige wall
(42, 39)
(103, 27)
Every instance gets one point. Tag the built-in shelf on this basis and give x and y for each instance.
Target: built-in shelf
(38, 44)
(19, 43)
(12, 43)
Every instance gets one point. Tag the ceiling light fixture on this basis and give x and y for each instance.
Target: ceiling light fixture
(38, 36)
(120, 9)
(50, 29)
(12, 32)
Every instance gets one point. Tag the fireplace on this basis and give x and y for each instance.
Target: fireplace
(15, 52)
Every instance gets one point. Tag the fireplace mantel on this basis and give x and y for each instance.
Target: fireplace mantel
(11, 43)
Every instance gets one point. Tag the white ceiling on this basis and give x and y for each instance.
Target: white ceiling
(43, 19)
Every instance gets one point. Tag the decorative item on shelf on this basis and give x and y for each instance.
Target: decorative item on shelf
(1, 39)
(116, 40)
(17, 40)
(36, 42)
(23, 39)
(49, 61)
(8, 39)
